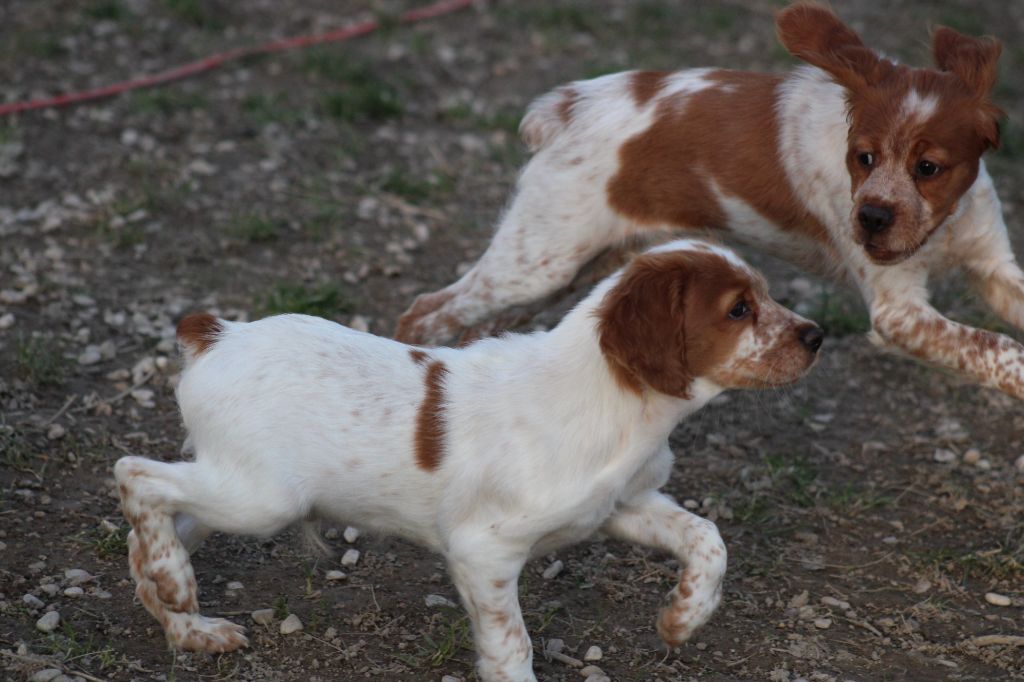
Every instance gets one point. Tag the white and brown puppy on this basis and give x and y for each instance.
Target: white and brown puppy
(489, 454)
(851, 164)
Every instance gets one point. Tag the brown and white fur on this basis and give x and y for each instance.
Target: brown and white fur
(867, 169)
(490, 454)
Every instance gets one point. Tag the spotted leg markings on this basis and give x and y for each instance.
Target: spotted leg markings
(160, 565)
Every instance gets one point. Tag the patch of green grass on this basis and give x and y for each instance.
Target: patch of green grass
(281, 607)
(851, 499)
(40, 361)
(46, 46)
(963, 19)
(14, 450)
(199, 13)
(264, 109)
(323, 300)
(752, 509)
(112, 545)
(110, 10)
(798, 475)
(444, 642)
(415, 188)
(839, 316)
(1001, 563)
(362, 96)
(167, 100)
(70, 644)
(714, 19)
(579, 17)
(254, 228)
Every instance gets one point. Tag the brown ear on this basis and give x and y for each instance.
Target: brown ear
(641, 325)
(814, 34)
(975, 61)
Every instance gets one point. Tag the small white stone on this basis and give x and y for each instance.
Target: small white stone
(49, 589)
(799, 600)
(350, 558)
(598, 677)
(944, 456)
(143, 396)
(972, 456)
(263, 616)
(74, 592)
(77, 576)
(437, 600)
(553, 570)
(359, 323)
(235, 585)
(590, 670)
(691, 504)
(984, 464)
(291, 624)
(90, 356)
(32, 601)
(49, 622)
(6, 321)
(108, 527)
(46, 675)
(331, 533)
(593, 654)
(554, 645)
(335, 575)
(55, 432)
(823, 623)
(351, 535)
(996, 599)
(1019, 464)
(838, 603)
(451, 678)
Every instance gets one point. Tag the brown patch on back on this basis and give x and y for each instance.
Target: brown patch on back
(429, 440)
(644, 85)
(664, 323)
(727, 133)
(418, 356)
(198, 332)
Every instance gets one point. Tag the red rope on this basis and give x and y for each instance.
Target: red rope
(213, 61)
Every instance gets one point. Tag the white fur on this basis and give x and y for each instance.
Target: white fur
(560, 218)
(293, 417)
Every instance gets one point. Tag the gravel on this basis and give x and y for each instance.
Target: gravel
(291, 624)
(48, 622)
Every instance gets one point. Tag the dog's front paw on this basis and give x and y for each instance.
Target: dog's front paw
(192, 632)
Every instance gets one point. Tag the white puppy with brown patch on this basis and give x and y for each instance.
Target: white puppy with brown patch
(489, 454)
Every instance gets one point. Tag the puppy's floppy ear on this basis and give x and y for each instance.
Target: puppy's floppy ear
(814, 34)
(641, 325)
(975, 61)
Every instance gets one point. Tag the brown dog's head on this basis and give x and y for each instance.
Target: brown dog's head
(916, 135)
(688, 310)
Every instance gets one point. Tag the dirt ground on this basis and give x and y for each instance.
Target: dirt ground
(863, 531)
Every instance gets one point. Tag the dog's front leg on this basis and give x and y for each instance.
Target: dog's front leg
(902, 318)
(654, 520)
(486, 574)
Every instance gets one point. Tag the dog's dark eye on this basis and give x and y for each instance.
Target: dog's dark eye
(926, 169)
(739, 311)
(866, 159)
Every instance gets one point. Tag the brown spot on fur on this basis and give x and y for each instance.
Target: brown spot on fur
(644, 85)
(418, 356)
(564, 109)
(727, 133)
(198, 332)
(661, 324)
(684, 590)
(430, 422)
(499, 584)
(410, 325)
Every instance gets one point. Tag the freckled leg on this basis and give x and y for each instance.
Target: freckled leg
(654, 520)
(486, 578)
(159, 562)
(1002, 287)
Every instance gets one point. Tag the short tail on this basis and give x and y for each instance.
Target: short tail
(547, 116)
(197, 333)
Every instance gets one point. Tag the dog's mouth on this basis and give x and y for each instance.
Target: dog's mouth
(883, 256)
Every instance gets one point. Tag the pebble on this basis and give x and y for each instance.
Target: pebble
(598, 677)
(350, 557)
(944, 456)
(838, 603)
(553, 570)
(996, 599)
(49, 622)
(46, 675)
(984, 464)
(1020, 464)
(972, 456)
(336, 575)
(235, 585)
(823, 623)
(143, 396)
(90, 356)
(359, 323)
(691, 504)
(332, 533)
(55, 432)
(291, 624)
(77, 576)
(593, 654)
(263, 616)
(108, 527)
(589, 670)
(74, 592)
(7, 321)
(33, 601)
(451, 678)
(50, 589)
(799, 600)
(554, 645)
(435, 600)
(351, 535)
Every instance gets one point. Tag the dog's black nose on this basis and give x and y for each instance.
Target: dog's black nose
(874, 219)
(812, 337)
